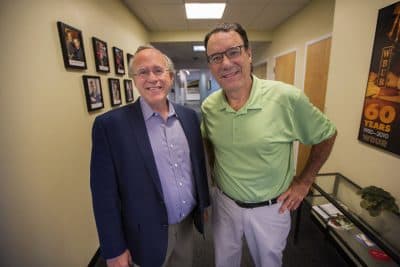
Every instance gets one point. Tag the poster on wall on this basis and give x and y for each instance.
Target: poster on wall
(380, 119)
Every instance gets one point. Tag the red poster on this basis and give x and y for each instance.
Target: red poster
(380, 120)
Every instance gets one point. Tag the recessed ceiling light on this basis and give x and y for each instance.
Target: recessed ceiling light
(199, 48)
(204, 11)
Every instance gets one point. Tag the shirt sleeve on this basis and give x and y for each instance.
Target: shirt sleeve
(202, 124)
(311, 126)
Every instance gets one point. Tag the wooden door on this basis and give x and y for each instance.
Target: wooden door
(284, 67)
(315, 82)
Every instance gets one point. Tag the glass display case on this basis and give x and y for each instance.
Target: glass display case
(362, 237)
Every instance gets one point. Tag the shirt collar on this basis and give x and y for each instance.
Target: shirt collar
(148, 111)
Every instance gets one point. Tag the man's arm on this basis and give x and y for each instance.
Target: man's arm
(105, 194)
(300, 186)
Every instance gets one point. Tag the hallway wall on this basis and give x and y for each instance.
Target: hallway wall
(45, 205)
(312, 22)
(348, 74)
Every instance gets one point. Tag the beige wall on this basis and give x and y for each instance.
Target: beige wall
(311, 23)
(45, 204)
(352, 24)
(353, 36)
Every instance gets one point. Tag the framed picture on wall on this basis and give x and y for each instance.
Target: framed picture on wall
(128, 90)
(72, 47)
(115, 92)
(101, 55)
(119, 61)
(128, 59)
(93, 92)
(193, 90)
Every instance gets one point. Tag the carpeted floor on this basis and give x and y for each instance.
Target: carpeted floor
(311, 249)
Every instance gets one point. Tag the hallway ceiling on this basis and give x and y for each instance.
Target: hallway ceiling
(169, 15)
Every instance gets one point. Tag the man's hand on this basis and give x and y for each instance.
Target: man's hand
(300, 186)
(123, 260)
(295, 194)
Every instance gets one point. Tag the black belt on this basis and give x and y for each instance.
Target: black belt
(253, 205)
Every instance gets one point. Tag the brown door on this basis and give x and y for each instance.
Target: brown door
(315, 81)
(284, 67)
(261, 71)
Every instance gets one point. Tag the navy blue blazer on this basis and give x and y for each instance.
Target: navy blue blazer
(127, 197)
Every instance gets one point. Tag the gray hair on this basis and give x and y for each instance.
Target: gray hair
(168, 61)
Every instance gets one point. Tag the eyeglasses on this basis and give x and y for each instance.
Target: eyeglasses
(145, 73)
(230, 53)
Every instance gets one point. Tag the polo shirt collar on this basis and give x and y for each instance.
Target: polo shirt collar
(251, 103)
(148, 111)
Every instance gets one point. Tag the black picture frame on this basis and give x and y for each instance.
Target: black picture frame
(115, 92)
(100, 52)
(128, 60)
(93, 92)
(128, 90)
(119, 61)
(72, 46)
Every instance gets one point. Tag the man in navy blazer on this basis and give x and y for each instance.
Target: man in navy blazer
(147, 173)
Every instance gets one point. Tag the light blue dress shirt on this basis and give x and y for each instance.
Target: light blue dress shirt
(172, 156)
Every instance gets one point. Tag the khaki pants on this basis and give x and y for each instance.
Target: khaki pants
(180, 244)
(264, 228)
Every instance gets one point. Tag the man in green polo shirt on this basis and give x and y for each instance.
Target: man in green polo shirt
(249, 128)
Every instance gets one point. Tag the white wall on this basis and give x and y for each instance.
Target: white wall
(353, 37)
(45, 204)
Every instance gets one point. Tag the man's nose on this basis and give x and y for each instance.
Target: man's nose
(225, 59)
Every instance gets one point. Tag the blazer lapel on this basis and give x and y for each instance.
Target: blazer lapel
(142, 139)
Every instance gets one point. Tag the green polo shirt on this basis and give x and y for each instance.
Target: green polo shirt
(254, 145)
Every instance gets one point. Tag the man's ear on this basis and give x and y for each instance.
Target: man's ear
(248, 51)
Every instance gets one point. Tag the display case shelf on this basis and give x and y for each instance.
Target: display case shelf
(338, 191)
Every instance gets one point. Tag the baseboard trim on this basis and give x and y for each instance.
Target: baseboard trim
(94, 259)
